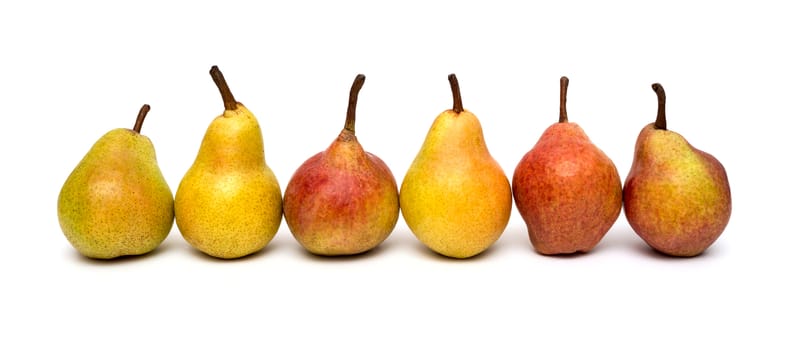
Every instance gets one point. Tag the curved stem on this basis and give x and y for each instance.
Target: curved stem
(227, 96)
(660, 121)
(563, 83)
(457, 102)
(350, 116)
(141, 117)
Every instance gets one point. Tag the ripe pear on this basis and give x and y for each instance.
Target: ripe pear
(116, 201)
(676, 197)
(343, 200)
(229, 202)
(566, 189)
(455, 197)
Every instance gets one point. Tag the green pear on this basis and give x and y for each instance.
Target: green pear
(229, 204)
(567, 190)
(455, 197)
(116, 201)
(676, 197)
(343, 200)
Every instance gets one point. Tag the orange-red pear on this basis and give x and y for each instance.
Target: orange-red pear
(566, 189)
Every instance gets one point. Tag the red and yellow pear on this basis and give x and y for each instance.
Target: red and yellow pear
(676, 197)
(342, 201)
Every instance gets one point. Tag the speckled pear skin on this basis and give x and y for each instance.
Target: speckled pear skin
(229, 203)
(567, 190)
(676, 197)
(455, 197)
(116, 201)
(342, 201)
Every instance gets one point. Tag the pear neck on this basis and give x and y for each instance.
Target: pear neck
(234, 143)
(346, 136)
(344, 152)
(449, 136)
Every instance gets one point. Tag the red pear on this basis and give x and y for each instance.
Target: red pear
(567, 190)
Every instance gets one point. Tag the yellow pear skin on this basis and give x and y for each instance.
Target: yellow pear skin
(229, 203)
(116, 201)
(455, 197)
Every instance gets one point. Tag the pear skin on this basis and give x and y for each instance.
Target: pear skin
(116, 201)
(567, 190)
(455, 197)
(229, 204)
(676, 197)
(342, 201)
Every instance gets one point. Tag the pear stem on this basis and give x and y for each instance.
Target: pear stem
(141, 117)
(350, 117)
(563, 83)
(660, 121)
(224, 90)
(457, 102)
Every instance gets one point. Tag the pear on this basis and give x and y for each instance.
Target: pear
(676, 197)
(229, 204)
(116, 201)
(566, 189)
(455, 197)
(342, 201)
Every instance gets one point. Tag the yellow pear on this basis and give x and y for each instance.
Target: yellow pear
(229, 203)
(116, 201)
(455, 197)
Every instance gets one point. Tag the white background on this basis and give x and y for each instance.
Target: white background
(73, 70)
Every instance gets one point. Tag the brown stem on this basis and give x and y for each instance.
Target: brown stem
(350, 117)
(660, 121)
(141, 117)
(457, 103)
(227, 96)
(563, 83)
